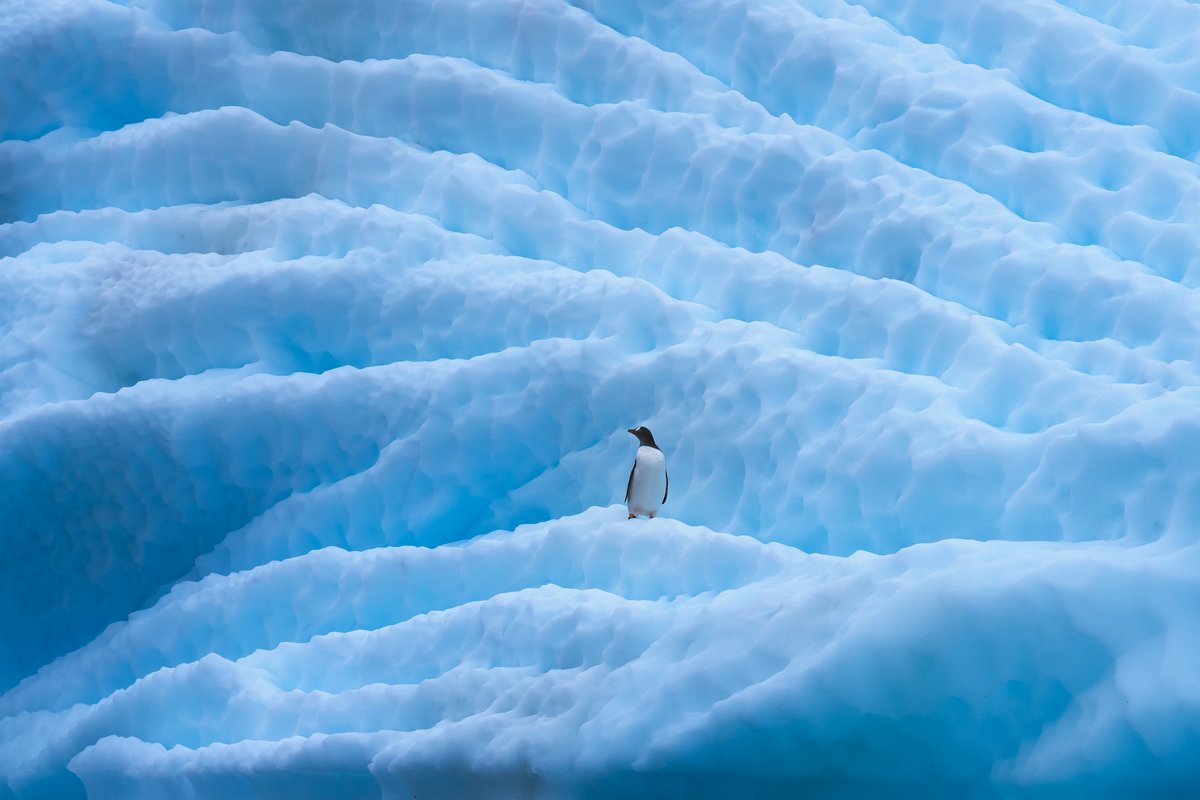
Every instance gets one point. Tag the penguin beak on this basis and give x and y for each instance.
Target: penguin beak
(631, 430)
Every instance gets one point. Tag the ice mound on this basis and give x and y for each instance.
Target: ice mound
(321, 326)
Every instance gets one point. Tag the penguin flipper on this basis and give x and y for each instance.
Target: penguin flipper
(667, 487)
(629, 486)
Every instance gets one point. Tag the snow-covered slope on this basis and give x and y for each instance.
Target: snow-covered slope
(321, 325)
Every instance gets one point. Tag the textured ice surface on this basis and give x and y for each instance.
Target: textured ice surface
(321, 325)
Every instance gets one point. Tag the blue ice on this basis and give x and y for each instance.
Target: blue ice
(321, 326)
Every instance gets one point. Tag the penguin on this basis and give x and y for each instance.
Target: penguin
(648, 478)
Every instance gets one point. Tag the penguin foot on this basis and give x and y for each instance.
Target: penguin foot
(651, 516)
(632, 516)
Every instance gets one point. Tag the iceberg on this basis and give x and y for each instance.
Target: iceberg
(322, 324)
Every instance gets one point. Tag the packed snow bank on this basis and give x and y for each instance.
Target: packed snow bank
(322, 326)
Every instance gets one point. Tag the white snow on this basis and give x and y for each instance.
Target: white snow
(321, 326)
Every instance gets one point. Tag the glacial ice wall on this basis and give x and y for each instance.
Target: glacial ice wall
(321, 325)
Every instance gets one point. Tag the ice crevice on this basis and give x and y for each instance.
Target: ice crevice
(321, 327)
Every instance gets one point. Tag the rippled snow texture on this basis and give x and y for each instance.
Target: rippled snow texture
(321, 325)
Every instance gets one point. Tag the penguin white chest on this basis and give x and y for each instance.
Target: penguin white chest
(648, 483)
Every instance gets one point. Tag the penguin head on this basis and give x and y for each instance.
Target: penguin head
(644, 436)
